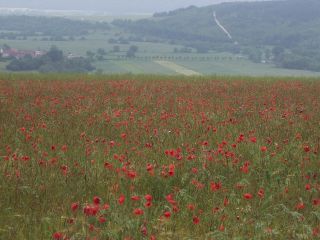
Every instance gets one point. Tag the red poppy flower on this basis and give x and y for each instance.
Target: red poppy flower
(308, 186)
(171, 170)
(148, 204)
(74, 206)
(191, 207)
(96, 200)
(247, 196)
(138, 211)
(102, 219)
(300, 206)
(105, 206)
(263, 149)
(316, 202)
(215, 186)
(196, 220)
(148, 197)
(167, 214)
(149, 167)
(306, 148)
(90, 210)
(261, 193)
(121, 199)
(135, 198)
(221, 228)
(57, 236)
(225, 202)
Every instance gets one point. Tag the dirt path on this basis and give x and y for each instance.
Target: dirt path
(178, 68)
(221, 26)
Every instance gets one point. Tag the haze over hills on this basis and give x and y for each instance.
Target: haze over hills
(109, 6)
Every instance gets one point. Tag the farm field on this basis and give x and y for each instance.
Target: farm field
(243, 67)
(219, 63)
(178, 68)
(221, 67)
(159, 157)
(3, 66)
(132, 66)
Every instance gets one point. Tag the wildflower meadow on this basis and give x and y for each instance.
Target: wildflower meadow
(145, 157)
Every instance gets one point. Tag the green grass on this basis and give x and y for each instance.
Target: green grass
(132, 66)
(3, 66)
(242, 67)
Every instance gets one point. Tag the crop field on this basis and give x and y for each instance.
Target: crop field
(3, 66)
(132, 66)
(147, 157)
(218, 63)
(178, 68)
(242, 67)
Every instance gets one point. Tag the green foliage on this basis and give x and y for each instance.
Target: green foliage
(116, 48)
(54, 54)
(132, 51)
(25, 64)
(52, 61)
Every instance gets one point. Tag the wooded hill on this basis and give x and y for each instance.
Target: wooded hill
(285, 32)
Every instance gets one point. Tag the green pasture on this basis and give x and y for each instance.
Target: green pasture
(132, 66)
(242, 67)
(3, 66)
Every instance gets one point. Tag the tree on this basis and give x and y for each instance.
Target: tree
(116, 48)
(101, 52)
(90, 54)
(277, 52)
(132, 51)
(6, 46)
(55, 55)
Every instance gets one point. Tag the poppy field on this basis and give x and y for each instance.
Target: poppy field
(145, 157)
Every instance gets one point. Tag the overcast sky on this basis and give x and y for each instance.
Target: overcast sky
(110, 6)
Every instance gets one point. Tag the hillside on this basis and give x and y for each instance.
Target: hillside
(11, 25)
(285, 32)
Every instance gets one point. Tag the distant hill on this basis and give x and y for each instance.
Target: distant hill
(47, 26)
(110, 6)
(285, 32)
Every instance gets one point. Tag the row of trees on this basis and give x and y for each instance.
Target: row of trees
(101, 54)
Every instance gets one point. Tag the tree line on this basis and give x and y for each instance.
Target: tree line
(53, 61)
